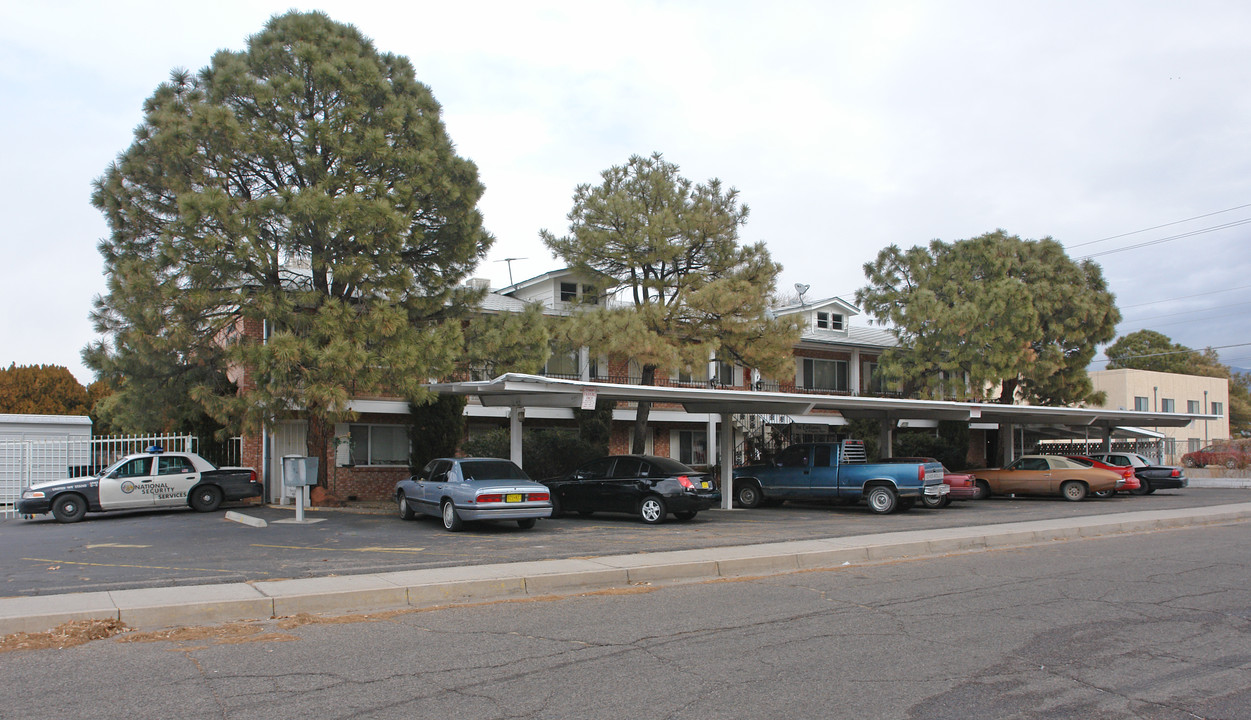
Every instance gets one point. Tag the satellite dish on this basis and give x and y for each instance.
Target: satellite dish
(801, 288)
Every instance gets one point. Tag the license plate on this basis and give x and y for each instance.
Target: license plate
(705, 484)
(513, 497)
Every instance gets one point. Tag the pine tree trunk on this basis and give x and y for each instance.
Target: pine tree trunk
(317, 440)
(639, 445)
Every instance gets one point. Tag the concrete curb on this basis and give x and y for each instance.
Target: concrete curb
(203, 604)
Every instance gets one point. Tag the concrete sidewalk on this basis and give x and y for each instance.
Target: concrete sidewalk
(203, 604)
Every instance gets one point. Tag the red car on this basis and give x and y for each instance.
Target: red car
(1129, 480)
(962, 487)
(1228, 454)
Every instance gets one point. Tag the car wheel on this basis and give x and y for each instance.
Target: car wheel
(1188, 462)
(406, 512)
(882, 500)
(748, 494)
(1144, 488)
(686, 515)
(206, 498)
(557, 510)
(935, 502)
(652, 510)
(1231, 463)
(69, 508)
(1104, 493)
(526, 523)
(1150, 490)
(983, 490)
(451, 520)
(1073, 490)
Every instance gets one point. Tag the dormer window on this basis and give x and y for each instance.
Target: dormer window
(569, 293)
(829, 321)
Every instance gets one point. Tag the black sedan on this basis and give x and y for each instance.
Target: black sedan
(643, 485)
(1150, 477)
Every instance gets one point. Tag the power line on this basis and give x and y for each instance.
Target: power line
(1157, 227)
(1185, 297)
(1186, 312)
(1187, 351)
(1170, 238)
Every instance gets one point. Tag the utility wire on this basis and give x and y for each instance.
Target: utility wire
(1157, 227)
(1175, 352)
(1170, 238)
(1184, 312)
(1185, 297)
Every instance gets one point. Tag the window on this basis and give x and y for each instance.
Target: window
(379, 444)
(1166, 405)
(870, 378)
(1142, 404)
(692, 447)
(569, 293)
(793, 456)
(173, 465)
(1192, 445)
(139, 467)
(1218, 409)
(562, 364)
(829, 321)
(1192, 407)
(825, 374)
(699, 375)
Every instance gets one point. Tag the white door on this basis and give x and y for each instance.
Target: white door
(175, 476)
(290, 438)
(129, 486)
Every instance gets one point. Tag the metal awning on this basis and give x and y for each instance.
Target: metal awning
(520, 390)
(517, 391)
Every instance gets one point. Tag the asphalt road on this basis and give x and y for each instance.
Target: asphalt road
(1149, 626)
(154, 548)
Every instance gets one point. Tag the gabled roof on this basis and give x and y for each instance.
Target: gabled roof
(838, 303)
(856, 336)
(544, 278)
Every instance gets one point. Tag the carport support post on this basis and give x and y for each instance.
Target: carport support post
(886, 438)
(1107, 439)
(515, 416)
(726, 445)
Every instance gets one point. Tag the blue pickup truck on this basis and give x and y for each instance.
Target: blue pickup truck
(837, 471)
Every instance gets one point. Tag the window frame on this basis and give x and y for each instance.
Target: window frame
(369, 444)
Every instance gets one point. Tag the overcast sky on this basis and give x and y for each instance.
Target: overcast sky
(846, 126)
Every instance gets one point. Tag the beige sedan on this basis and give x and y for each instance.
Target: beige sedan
(1044, 475)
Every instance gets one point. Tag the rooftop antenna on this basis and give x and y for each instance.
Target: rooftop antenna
(801, 288)
(510, 268)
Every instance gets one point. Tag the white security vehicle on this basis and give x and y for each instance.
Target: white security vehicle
(152, 479)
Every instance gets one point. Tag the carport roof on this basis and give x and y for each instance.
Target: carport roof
(520, 390)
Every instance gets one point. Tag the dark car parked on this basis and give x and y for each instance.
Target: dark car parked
(1151, 477)
(644, 485)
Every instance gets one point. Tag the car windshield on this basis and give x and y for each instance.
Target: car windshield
(492, 470)
(1082, 461)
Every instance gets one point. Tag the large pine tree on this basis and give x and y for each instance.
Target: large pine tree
(670, 248)
(307, 184)
(991, 316)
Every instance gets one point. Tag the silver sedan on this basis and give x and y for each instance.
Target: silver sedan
(463, 489)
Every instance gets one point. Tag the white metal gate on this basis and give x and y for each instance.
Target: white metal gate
(26, 462)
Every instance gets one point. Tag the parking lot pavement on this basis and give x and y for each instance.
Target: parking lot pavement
(150, 549)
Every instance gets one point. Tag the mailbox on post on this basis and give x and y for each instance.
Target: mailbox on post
(299, 472)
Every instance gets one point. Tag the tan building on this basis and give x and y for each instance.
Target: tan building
(1151, 391)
